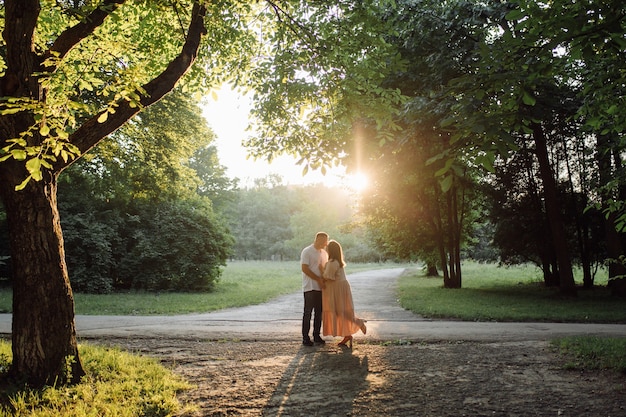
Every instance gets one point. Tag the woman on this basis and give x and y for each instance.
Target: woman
(337, 306)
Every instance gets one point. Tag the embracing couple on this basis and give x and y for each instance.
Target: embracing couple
(327, 293)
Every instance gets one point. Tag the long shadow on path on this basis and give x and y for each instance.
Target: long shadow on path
(341, 373)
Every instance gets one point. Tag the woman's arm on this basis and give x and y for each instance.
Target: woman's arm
(330, 270)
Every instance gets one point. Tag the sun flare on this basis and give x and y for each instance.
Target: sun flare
(357, 182)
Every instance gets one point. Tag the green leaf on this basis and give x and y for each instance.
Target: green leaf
(528, 99)
(23, 184)
(445, 168)
(11, 110)
(62, 134)
(19, 154)
(486, 161)
(44, 130)
(446, 183)
(34, 168)
(447, 121)
(515, 15)
(103, 117)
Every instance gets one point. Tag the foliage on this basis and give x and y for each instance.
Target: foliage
(117, 383)
(190, 247)
(530, 90)
(311, 87)
(274, 221)
(261, 225)
(82, 81)
(137, 186)
(214, 184)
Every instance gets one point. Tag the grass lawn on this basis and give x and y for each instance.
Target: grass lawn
(117, 383)
(491, 293)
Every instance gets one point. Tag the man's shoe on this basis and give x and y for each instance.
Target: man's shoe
(319, 341)
(307, 342)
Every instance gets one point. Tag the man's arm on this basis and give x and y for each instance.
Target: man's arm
(311, 274)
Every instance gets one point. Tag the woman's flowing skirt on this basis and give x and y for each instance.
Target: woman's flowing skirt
(338, 317)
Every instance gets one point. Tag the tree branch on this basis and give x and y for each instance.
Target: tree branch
(72, 36)
(91, 132)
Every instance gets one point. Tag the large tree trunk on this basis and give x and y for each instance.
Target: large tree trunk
(553, 210)
(43, 333)
(44, 336)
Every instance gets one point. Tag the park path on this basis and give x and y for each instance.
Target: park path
(280, 319)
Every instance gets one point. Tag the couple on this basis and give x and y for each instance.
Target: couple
(327, 292)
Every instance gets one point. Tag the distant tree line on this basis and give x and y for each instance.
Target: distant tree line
(275, 221)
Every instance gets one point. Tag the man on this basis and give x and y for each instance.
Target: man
(312, 260)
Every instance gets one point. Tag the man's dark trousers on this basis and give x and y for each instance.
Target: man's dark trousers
(312, 303)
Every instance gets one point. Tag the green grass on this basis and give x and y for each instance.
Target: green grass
(117, 384)
(590, 352)
(490, 293)
(241, 284)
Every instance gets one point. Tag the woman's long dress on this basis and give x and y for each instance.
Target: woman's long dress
(338, 317)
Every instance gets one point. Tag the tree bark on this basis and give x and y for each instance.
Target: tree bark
(553, 210)
(43, 333)
(431, 269)
(438, 223)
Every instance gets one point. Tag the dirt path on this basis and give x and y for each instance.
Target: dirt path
(265, 378)
(249, 362)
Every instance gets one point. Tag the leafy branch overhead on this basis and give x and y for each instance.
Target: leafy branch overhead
(320, 76)
(91, 72)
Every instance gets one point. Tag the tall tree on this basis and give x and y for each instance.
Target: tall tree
(545, 50)
(530, 50)
(72, 73)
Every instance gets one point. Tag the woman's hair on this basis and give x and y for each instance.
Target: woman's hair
(335, 252)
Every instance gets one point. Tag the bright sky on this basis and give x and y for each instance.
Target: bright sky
(228, 117)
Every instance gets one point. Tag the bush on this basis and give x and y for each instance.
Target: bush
(168, 246)
(174, 247)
